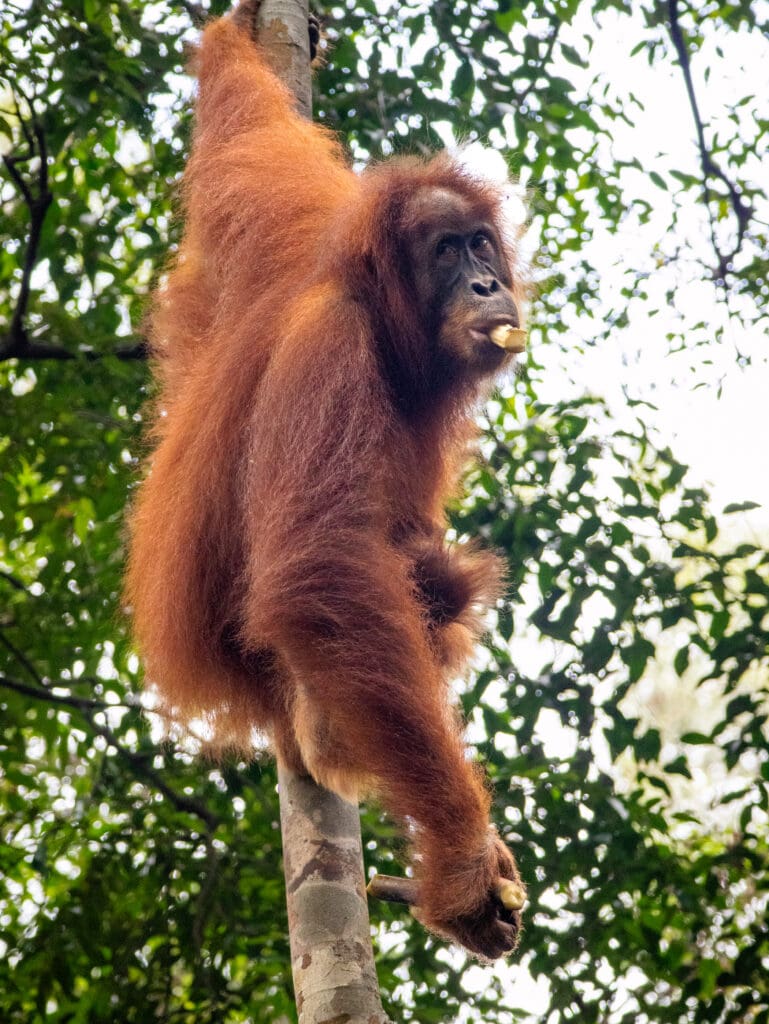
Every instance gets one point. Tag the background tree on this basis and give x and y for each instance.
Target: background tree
(137, 881)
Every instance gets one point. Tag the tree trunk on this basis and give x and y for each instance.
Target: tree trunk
(282, 30)
(331, 955)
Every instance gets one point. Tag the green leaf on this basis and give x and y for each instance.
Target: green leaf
(681, 660)
(572, 56)
(695, 738)
(636, 656)
(464, 81)
(679, 766)
(742, 506)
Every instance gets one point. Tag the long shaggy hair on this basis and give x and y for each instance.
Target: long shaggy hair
(287, 567)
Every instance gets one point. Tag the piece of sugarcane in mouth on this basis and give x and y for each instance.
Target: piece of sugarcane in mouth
(512, 339)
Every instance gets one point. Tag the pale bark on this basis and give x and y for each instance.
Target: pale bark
(331, 954)
(282, 29)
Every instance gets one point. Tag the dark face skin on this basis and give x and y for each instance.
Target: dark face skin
(461, 278)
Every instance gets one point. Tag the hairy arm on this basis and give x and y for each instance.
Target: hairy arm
(336, 599)
(262, 181)
(259, 190)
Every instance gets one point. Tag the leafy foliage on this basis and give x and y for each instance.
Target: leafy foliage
(138, 882)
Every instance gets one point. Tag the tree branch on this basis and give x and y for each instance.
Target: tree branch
(22, 659)
(710, 169)
(37, 350)
(555, 28)
(15, 583)
(138, 761)
(44, 692)
(16, 342)
(37, 203)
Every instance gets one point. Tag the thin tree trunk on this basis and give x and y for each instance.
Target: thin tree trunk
(282, 28)
(331, 955)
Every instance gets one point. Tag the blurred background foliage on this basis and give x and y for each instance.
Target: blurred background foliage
(621, 701)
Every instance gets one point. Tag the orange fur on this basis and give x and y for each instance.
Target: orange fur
(287, 568)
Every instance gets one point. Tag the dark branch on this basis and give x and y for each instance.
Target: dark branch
(22, 122)
(37, 203)
(198, 14)
(16, 342)
(12, 348)
(42, 692)
(10, 162)
(710, 169)
(15, 583)
(138, 762)
(22, 659)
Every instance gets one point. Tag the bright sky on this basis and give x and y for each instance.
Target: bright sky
(710, 410)
(714, 415)
(724, 437)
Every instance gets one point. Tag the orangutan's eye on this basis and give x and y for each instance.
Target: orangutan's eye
(447, 250)
(481, 245)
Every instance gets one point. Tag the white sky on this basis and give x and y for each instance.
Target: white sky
(714, 415)
(710, 410)
(725, 438)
